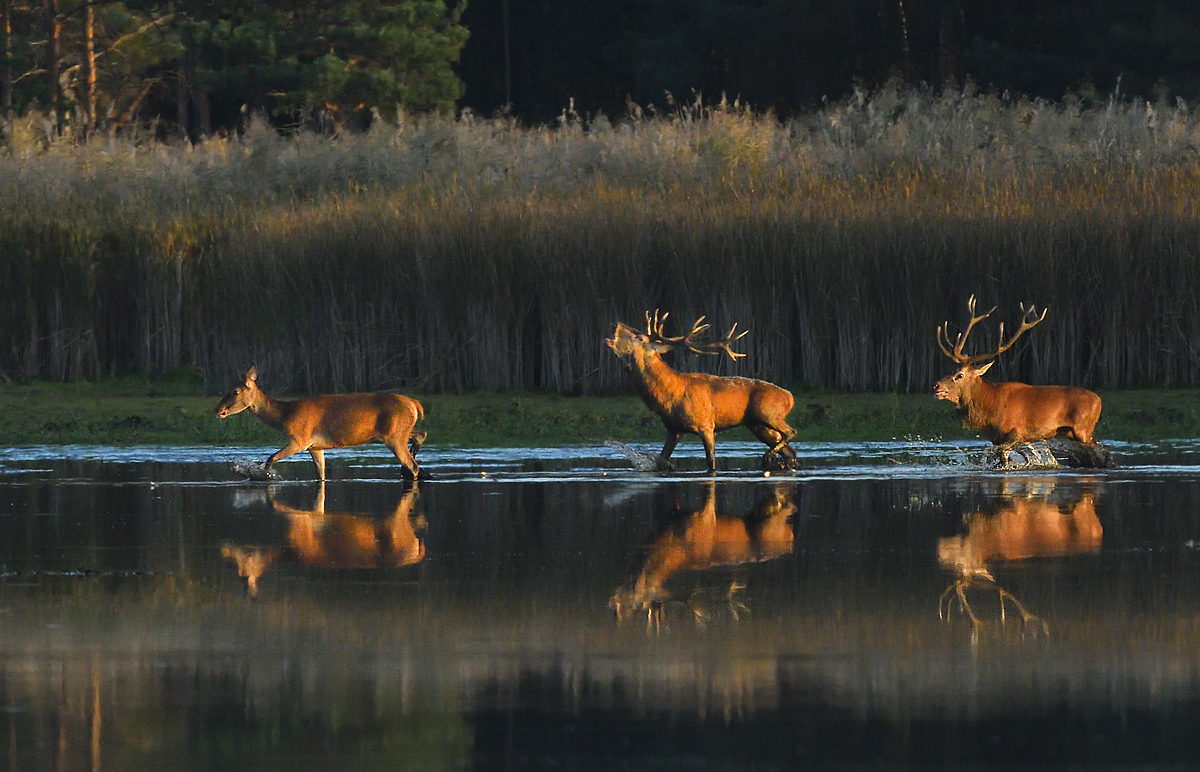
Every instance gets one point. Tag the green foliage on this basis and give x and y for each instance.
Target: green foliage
(285, 57)
(200, 63)
(134, 44)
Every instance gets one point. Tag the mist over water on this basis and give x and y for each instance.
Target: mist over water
(889, 604)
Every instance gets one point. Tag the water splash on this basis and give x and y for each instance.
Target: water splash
(642, 462)
(256, 470)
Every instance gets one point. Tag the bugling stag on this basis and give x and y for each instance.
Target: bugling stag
(326, 421)
(1009, 413)
(698, 403)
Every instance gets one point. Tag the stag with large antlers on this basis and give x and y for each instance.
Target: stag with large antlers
(1009, 413)
(702, 404)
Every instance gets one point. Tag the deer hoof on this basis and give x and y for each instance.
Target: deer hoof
(779, 463)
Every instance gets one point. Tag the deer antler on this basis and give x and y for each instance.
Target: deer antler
(725, 343)
(1029, 319)
(654, 325)
(654, 328)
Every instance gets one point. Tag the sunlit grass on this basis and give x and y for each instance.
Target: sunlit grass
(135, 411)
(458, 255)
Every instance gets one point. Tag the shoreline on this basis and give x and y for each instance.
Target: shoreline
(124, 411)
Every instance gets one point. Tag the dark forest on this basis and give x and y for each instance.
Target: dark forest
(791, 55)
(196, 67)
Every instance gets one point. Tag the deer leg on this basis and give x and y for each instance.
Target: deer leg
(398, 431)
(318, 457)
(400, 450)
(1074, 433)
(777, 441)
(708, 438)
(774, 441)
(667, 449)
(781, 448)
(291, 449)
(417, 440)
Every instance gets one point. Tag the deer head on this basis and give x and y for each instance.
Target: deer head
(251, 562)
(630, 344)
(242, 397)
(959, 383)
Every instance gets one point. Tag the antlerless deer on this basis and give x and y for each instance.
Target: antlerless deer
(1010, 413)
(326, 421)
(698, 403)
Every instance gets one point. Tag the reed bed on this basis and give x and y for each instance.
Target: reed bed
(462, 254)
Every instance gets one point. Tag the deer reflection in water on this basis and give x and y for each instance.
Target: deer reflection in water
(700, 539)
(1029, 523)
(321, 539)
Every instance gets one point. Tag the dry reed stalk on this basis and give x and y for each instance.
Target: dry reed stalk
(462, 255)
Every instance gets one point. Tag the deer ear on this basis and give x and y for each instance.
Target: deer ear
(984, 368)
(252, 374)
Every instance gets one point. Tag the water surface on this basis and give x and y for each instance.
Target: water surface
(891, 605)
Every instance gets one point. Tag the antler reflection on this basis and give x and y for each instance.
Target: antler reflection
(958, 590)
(700, 539)
(1026, 524)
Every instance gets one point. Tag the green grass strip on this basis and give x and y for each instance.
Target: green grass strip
(125, 411)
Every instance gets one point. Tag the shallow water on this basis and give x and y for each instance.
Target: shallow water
(889, 605)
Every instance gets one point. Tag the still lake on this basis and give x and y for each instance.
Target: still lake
(889, 605)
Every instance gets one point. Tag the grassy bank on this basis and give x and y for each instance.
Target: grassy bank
(481, 255)
(125, 411)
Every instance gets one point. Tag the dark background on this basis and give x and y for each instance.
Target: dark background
(200, 66)
(789, 55)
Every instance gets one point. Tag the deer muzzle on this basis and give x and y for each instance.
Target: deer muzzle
(942, 391)
(226, 407)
